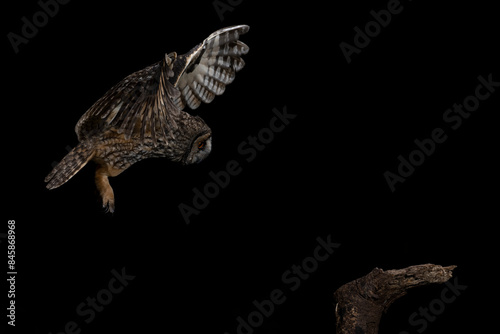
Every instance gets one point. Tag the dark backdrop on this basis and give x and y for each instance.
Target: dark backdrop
(321, 177)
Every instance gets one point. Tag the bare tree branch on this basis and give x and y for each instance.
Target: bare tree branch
(360, 303)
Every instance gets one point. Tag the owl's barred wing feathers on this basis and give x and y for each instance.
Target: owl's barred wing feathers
(139, 105)
(205, 70)
(145, 104)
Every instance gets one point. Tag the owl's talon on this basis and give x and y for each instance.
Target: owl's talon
(108, 202)
(108, 206)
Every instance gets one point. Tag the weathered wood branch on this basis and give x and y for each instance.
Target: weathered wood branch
(360, 303)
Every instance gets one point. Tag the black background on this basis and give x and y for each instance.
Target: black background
(322, 175)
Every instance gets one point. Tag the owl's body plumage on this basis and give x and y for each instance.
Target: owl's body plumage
(142, 116)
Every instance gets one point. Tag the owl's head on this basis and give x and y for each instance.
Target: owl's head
(200, 148)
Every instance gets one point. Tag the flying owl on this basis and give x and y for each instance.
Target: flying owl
(143, 115)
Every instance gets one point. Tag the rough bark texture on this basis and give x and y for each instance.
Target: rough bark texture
(360, 303)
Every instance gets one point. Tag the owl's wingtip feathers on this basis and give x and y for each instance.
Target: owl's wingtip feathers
(244, 28)
(206, 70)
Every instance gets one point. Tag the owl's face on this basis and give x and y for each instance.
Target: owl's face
(199, 149)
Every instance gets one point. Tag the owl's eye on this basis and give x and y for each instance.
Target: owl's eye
(201, 145)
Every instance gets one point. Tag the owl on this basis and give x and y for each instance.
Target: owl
(143, 115)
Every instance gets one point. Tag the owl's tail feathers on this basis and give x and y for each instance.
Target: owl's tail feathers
(70, 165)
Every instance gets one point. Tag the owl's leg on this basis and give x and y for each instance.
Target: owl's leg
(105, 190)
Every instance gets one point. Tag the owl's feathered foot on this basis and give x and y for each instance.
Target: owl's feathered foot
(105, 190)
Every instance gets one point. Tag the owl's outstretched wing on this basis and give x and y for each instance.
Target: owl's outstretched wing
(145, 104)
(206, 69)
(140, 105)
